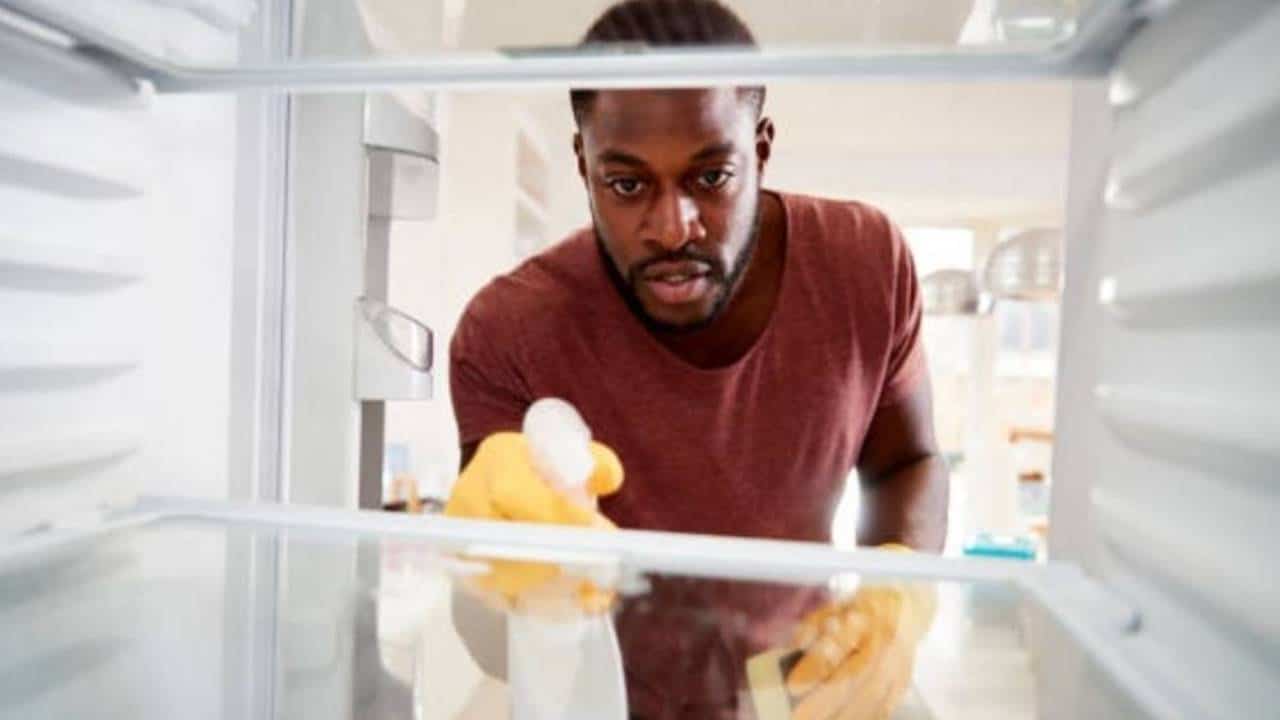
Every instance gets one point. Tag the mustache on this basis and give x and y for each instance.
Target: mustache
(685, 254)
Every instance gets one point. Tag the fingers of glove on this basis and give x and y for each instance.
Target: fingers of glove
(910, 605)
(810, 627)
(520, 494)
(838, 690)
(836, 631)
(883, 603)
(814, 667)
(885, 686)
(853, 628)
(897, 690)
(500, 483)
(472, 496)
(868, 698)
(920, 601)
(839, 621)
(854, 674)
(825, 701)
(465, 502)
(606, 479)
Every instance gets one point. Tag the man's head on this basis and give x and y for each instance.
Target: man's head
(673, 176)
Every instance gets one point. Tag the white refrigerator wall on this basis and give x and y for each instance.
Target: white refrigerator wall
(116, 252)
(1168, 398)
(120, 235)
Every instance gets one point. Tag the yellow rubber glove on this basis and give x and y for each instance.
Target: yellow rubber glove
(859, 653)
(500, 483)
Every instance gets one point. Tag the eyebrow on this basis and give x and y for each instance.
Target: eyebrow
(617, 156)
(710, 151)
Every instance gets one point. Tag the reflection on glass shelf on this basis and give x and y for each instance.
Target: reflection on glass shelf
(195, 618)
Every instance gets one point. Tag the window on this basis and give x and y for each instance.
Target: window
(940, 248)
(1028, 332)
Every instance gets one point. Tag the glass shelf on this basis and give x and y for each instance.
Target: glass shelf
(293, 612)
(487, 43)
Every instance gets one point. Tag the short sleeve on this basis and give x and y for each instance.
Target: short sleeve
(488, 392)
(907, 367)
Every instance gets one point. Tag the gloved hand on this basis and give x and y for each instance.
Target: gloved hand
(859, 653)
(500, 483)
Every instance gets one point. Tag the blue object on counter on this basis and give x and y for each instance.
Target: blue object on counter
(1014, 547)
(395, 461)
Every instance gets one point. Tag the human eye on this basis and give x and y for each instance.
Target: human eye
(624, 186)
(714, 178)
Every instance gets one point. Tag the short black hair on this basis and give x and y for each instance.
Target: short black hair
(667, 23)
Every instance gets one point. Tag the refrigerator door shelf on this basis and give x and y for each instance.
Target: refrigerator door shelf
(393, 354)
(183, 607)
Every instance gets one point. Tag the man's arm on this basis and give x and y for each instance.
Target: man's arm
(904, 480)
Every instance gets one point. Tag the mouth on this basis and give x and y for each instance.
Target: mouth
(678, 283)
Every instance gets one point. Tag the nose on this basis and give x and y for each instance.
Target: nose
(674, 220)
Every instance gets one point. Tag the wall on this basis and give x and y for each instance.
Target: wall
(438, 266)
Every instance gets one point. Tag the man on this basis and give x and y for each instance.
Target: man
(740, 349)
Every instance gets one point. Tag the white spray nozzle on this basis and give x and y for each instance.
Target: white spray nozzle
(560, 445)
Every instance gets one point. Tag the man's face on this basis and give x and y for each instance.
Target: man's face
(673, 180)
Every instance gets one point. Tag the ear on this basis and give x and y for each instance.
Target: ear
(764, 143)
(581, 158)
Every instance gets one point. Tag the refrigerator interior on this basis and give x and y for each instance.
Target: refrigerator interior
(162, 271)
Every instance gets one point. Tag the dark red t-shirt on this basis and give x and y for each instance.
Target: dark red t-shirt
(760, 448)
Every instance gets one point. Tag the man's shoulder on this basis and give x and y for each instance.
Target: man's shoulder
(843, 236)
(838, 220)
(851, 258)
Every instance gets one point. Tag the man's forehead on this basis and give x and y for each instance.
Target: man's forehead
(696, 116)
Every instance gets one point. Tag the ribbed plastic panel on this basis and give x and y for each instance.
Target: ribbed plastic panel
(1179, 409)
(73, 174)
(101, 186)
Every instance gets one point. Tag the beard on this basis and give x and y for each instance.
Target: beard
(725, 278)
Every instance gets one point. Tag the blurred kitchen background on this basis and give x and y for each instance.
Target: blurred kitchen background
(974, 173)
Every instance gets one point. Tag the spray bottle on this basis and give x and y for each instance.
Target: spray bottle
(560, 446)
(567, 669)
